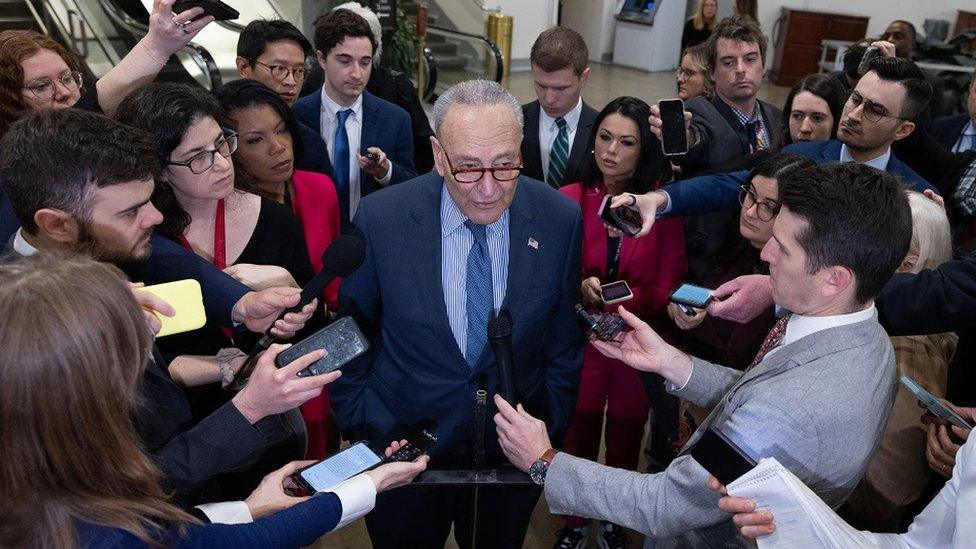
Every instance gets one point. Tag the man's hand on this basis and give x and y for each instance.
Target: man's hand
(522, 437)
(396, 473)
(750, 522)
(270, 497)
(260, 277)
(935, 197)
(169, 32)
(377, 169)
(644, 350)
(943, 441)
(683, 321)
(151, 304)
(271, 390)
(648, 204)
(590, 293)
(257, 310)
(742, 299)
(657, 124)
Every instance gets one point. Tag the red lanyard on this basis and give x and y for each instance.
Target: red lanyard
(220, 239)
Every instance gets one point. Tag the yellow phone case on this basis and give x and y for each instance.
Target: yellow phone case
(186, 299)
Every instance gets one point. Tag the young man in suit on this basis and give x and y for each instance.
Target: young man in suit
(878, 113)
(350, 119)
(443, 251)
(559, 122)
(277, 54)
(824, 376)
(957, 132)
(81, 182)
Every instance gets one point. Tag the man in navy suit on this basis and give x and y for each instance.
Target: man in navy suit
(879, 112)
(957, 132)
(443, 251)
(350, 119)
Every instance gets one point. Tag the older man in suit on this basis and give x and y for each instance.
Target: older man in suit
(824, 377)
(558, 124)
(370, 141)
(443, 251)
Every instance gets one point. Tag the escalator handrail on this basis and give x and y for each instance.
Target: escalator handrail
(431, 64)
(496, 53)
(200, 54)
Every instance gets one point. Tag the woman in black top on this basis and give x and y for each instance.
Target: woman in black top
(700, 26)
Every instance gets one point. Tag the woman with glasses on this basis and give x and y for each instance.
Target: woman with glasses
(36, 72)
(691, 77)
(269, 145)
(723, 341)
(626, 157)
(257, 241)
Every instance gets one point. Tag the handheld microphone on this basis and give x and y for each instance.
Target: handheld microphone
(500, 338)
(343, 256)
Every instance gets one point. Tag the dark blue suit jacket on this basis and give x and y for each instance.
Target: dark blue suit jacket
(415, 374)
(718, 192)
(316, 154)
(947, 129)
(385, 125)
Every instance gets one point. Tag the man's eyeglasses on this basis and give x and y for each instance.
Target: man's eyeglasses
(765, 210)
(872, 111)
(204, 160)
(281, 72)
(473, 175)
(43, 88)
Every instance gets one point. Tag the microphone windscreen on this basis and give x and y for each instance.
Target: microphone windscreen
(500, 327)
(344, 255)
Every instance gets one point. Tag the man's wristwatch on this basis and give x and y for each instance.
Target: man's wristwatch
(537, 472)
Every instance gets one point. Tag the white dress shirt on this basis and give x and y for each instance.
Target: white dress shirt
(548, 130)
(329, 121)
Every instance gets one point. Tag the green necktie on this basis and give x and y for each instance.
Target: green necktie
(558, 155)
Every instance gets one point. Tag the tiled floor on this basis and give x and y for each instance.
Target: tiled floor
(606, 82)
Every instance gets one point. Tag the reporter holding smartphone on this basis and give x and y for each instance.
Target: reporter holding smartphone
(625, 158)
(73, 347)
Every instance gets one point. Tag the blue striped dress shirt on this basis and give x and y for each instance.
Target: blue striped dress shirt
(456, 242)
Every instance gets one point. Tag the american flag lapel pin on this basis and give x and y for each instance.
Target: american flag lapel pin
(533, 243)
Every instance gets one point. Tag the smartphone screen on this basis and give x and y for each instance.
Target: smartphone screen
(721, 457)
(689, 294)
(933, 404)
(674, 139)
(332, 471)
(616, 291)
(628, 218)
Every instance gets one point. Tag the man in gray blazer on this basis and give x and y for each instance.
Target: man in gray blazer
(816, 399)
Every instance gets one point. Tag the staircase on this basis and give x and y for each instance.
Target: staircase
(16, 15)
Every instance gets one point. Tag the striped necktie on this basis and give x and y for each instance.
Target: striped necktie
(480, 296)
(558, 155)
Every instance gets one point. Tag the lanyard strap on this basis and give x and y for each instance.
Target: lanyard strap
(220, 239)
(614, 245)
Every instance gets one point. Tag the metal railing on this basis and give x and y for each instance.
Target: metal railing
(491, 47)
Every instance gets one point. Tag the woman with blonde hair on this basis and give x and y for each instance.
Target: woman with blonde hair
(73, 347)
(700, 26)
(692, 77)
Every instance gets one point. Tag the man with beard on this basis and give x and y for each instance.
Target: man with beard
(81, 182)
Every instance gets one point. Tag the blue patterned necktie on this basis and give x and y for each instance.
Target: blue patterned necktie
(559, 155)
(480, 298)
(340, 162)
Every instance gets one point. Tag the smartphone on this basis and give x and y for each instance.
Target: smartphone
(721, 457)
(371, 155)
(872, 53)
(674, 138)
(337, 468)
(691, 295)
(626, 219)
(615, 292)
(933, 404)
(414, 448)
(219, 10)
(186, 298)
(342, 341)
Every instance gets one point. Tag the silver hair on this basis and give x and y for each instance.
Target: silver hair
(484, 93)
(371, 19)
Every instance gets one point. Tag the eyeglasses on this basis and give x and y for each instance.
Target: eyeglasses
(204, 160)
(473, 175)
(765, 210)
(685, 73)
(281, 72)
(43, 88)
(872, 111)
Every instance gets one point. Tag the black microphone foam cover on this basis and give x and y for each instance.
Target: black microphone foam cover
(500, 328)
(344, 255)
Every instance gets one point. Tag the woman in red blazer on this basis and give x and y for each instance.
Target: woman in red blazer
(626, 158)
(269, 143)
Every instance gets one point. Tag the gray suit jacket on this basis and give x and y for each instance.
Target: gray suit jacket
(721, 136)
(818, 405)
